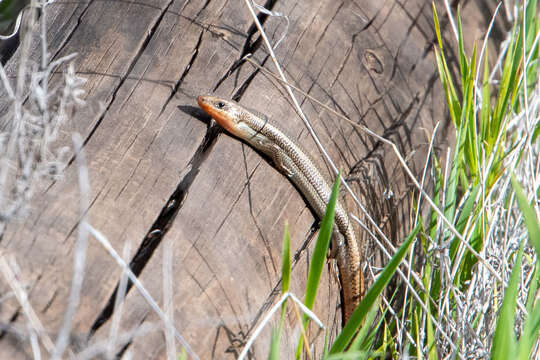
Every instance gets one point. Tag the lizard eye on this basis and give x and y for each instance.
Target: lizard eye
(220, 105)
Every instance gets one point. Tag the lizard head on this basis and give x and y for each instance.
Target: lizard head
(228, 114)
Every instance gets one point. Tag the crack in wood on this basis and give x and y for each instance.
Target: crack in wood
(70, 35)
(248, 46)
(6, 327)
(242, 89)
(123, 349)
(140, 51)
(162, 224)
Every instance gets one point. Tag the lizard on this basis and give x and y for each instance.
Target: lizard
(289, 158)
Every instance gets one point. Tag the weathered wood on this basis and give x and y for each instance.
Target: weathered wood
(162, 178)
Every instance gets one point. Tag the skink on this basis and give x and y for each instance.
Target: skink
(295, 164)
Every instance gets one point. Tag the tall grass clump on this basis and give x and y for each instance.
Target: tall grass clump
(481, 273)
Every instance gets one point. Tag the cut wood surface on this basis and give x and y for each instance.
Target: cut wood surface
(167, 183)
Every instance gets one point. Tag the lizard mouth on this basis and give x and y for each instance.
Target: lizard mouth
(225, 120)
(204, 103)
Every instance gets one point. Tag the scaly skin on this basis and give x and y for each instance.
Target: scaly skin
(294, 163)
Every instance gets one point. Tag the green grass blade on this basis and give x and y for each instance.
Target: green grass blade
(445, 74)
(534, 314)
(285, 284)
(508, 85)
(536, 132)
(529, 216)
(528, 336)
(183, 354)
(468, 118)
(363, 333)
(485, 110)
(355, 355)
(535, 323)
(370, 298)
(318, 259)
(533, 287)
(463, 63)
(437, 188)
(326, 341)
(286, 261)
(428, 281)
(531, 328)
(531, 25)
(466, 212)
(453, 178)
(467, 209)
(504, 341)
(274, 344)
(430, 337)
(437, 26)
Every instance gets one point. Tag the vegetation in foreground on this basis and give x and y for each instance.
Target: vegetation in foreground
(477, 293)
(477, 289)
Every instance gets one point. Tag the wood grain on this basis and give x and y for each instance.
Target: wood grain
(164, 177)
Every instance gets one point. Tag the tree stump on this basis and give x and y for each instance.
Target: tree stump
(167, 183)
